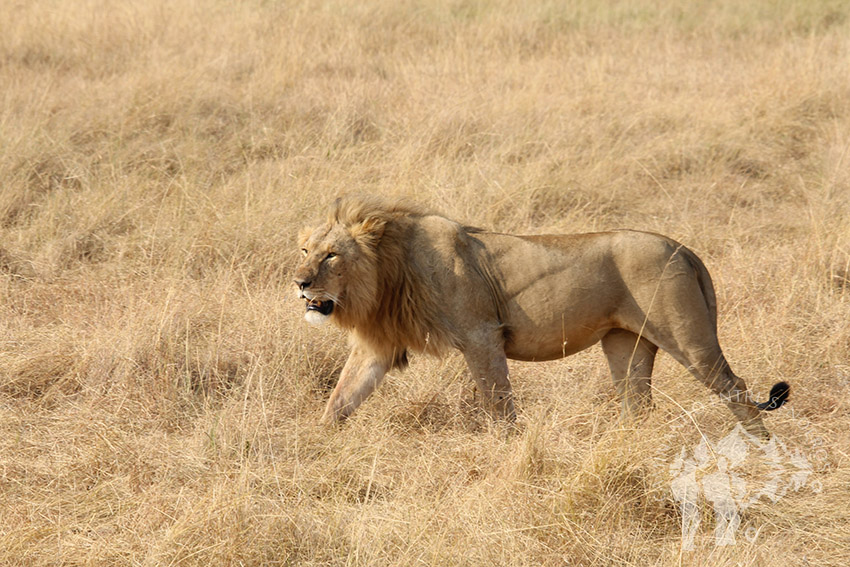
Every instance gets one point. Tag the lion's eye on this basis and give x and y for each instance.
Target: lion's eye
(330, 256)
(304, 251)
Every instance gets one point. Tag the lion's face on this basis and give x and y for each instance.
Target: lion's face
(334, 276)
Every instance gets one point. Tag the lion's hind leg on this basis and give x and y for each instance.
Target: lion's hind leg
(718, 376)
(702, 356)
(630, 359)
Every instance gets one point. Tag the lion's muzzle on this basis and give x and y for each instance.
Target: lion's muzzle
(318, 310)
(325, 307)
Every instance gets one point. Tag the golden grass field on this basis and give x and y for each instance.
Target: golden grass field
(160, 391)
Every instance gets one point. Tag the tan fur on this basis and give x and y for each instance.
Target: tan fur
(403, 278)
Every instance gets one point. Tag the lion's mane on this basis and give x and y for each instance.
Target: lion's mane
(393, 303)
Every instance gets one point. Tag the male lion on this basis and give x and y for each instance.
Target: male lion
(401, 278)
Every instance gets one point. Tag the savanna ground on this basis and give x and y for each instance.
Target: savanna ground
(159, 390)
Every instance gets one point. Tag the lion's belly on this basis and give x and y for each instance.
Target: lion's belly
(538, 330)
(543, 344)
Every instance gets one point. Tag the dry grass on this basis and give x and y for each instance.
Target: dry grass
(159, 392)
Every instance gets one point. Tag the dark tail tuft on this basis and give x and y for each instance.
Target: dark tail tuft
(778, 396)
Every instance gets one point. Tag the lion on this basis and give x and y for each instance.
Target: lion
(401, 278)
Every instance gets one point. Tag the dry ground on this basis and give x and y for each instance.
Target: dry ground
(159, 391)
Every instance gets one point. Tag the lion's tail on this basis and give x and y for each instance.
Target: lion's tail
(778, 396)
(779, 391)
(705, 284)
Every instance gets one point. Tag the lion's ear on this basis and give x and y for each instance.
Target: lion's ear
(369, 231)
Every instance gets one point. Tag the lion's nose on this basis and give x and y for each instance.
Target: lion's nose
(302, 283)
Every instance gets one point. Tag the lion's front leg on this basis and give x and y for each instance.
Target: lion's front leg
(489, 368)
(362, 373)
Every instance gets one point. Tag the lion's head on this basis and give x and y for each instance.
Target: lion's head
(338, 274)
(360, 271)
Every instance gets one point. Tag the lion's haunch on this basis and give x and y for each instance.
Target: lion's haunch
(401, 278)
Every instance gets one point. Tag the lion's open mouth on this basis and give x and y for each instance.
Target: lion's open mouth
(323, 307)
